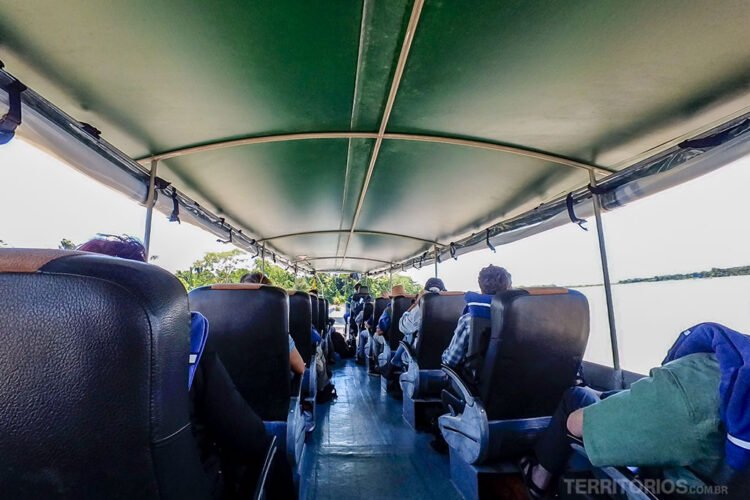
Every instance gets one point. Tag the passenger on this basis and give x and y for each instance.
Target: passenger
(675, 417)
(326, 391)
(296, 363)
(231, 437)
(409, 325)
(125, 247)
(255, 277)
(411, 320)
(384, 324)
(373, 344)
(492, 279)
(349, 301)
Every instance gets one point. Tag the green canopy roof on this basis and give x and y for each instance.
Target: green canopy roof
(350, 135)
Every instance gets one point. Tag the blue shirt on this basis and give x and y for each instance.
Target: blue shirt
(291, 343)
(315, 336)
(385, 319)
(455, 354)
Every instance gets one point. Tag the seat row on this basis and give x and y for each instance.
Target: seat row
(521, 358)
(94, 394)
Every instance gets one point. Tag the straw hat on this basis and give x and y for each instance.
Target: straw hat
(398, 290)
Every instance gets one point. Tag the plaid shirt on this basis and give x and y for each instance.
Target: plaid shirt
(455, 354)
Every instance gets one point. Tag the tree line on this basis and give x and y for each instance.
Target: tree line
(230, 266)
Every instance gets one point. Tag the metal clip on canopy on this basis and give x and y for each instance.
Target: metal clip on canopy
(571, 213)
(12, 119)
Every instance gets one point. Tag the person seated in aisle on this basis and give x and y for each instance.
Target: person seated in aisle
(231, 437)
(363, 335)
(349, 304)
(326, 390)
(409, 325)
(375, 344)
(384, 324)
(690, 411)
(492, 279)
(255, 277)
(296, 363)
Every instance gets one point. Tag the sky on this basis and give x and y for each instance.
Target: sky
(695, 226)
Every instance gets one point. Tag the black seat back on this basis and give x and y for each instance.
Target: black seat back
(368, 312)
(380, 304)
(300, 319)
(399, 305)
(315, 309)
(94, 379)
(440, 313)
(322, 311)
(325, 317)
(537, 344)
(479, 339)
(249, 327)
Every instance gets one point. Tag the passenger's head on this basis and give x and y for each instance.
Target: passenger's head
(494, 279)
(434, 285)
(125, 247)
(357, 287)
(255, 277)
(313, 291)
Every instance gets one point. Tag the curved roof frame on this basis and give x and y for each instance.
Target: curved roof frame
(359, 231)
(439, 139)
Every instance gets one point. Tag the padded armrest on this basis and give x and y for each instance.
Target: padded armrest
(260, 487)
(459, 384)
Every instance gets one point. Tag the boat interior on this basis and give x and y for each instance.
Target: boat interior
(358, 138)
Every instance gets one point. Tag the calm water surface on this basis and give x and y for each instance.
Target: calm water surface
(650, 316)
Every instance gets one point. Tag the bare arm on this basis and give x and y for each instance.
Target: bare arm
(295, 362)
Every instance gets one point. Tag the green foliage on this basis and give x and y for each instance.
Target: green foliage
(383, 284)
(215, 267)
(66, 244)
(229, 267)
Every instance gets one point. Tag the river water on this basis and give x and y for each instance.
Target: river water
(650, 316)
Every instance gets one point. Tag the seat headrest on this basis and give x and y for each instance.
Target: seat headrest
(478, 305)
(29, 260)
(94, 343)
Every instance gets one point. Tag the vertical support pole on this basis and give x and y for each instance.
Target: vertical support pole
(436, 260)
(263, 259)
(390, 279)
(150, 199)
(607, 284)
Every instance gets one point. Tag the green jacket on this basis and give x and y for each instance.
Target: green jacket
(668, 419)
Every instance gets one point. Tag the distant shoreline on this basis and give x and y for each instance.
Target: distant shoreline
(715, 272)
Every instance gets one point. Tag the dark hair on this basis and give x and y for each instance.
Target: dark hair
(255, 277)
(358, 286)
(435, 283)
(124, 247)
(493, 279)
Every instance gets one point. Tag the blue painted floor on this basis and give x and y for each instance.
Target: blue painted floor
(362, 448)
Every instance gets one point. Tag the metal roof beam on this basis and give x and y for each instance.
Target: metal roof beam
(388, 136)
(307, 259)
(359, 231)
(411, 29)
(248, 141)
